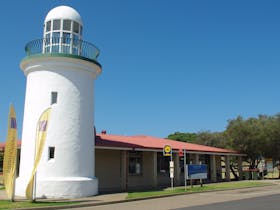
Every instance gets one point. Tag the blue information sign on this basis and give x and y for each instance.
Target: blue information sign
(196, 171)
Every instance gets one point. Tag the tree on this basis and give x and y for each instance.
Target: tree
(272, 132)
(213, 139)
(257, 137)
(249, 137)
(185, 137)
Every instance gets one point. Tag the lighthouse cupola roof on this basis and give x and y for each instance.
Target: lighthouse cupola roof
(63, 21)
(64, 12)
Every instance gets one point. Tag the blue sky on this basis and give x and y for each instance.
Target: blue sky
(168, 65)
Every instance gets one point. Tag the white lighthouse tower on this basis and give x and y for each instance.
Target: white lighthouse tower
(60, 71)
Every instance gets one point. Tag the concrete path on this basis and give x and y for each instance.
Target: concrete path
(87, 201)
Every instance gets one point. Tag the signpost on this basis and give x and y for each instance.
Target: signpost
(185, 174)
(167, 151)
(171, 172)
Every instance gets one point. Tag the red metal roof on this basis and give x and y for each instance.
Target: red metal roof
(148, 142)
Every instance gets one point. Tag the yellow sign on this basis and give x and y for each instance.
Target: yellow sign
(41, 133)
(167, 150)
(10, 155)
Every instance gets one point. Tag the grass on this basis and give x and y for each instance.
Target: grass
(197, 188)
(26, 204)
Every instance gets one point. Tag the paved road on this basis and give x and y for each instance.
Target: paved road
(231, 199)
(270, 202)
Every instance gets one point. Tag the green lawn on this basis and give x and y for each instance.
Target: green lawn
(26, 204)
(197, 188)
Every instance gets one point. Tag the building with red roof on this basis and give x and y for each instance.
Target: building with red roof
(125, 163)
(137, 162)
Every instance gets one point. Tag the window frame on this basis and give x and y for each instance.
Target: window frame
(54, 97)
(135, 157)
(51, 153)
(162, 164)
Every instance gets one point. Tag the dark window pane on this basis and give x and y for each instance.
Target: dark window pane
(135, 163)
(54, 98)
(48, 39)
(66, 38)
(75, 40)
(67, 25)
(162, 163)
(55, 49)
(76, 27)
(65, 49)
(51, 152)
(56, 24)
(48, 26)
(55, 37)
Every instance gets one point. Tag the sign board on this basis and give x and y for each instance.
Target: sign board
(167, 150)
(196, 171)
(171, 172)
(171, 169)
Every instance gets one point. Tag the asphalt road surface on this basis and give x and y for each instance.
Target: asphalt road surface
(270, 202)
(261, 198)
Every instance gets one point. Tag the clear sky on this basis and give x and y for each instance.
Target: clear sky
(168, 65)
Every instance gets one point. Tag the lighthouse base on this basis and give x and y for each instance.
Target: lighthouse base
(60, 187)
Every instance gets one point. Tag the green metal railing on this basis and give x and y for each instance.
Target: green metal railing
(62, 45)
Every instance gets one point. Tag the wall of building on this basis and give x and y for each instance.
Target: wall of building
(111, 168)
(145, 180)
(108, 170)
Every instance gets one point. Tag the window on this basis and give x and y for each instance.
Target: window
(53, 98)
(135, 163)
(55, 37)
(67, 25)
(76, 46)
(75, 40)
(48, 38)
(65, 49)
(47, 49)
(56, 24)
(162, 163)
(66, 38)
(51, 152)
(76, 27)
(48, 27)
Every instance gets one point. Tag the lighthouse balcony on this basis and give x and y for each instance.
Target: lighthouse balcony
(62, 46)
